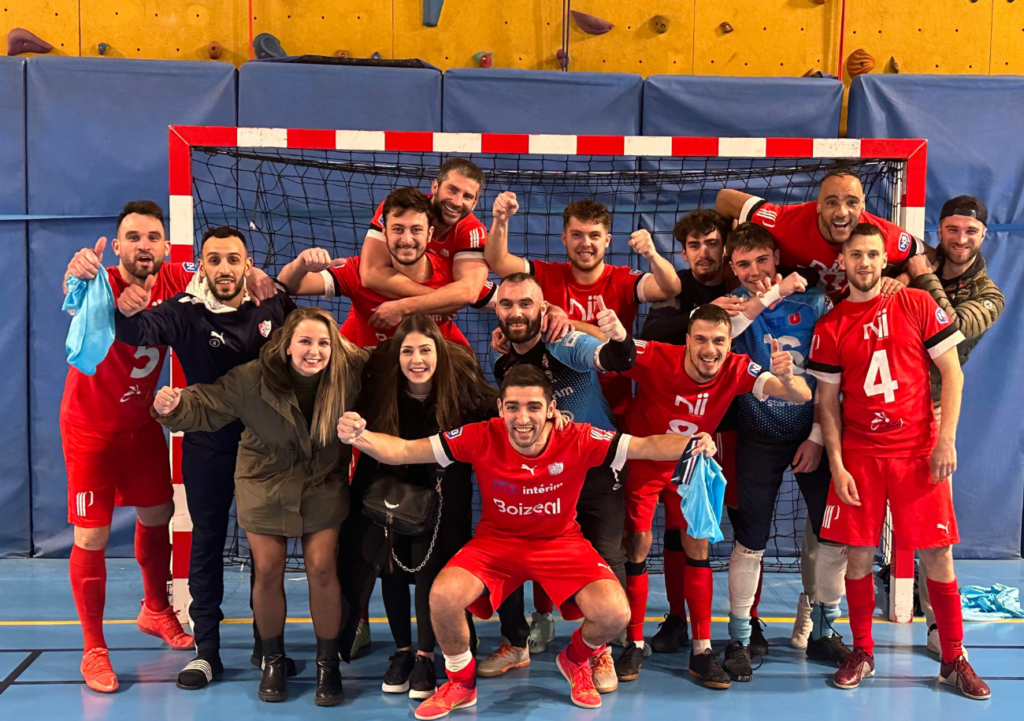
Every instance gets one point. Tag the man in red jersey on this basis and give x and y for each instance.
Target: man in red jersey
(530, 476)
(811, 234)
(407, 221)
(578, 284)
(686, 390)
(458, 239)
(882, 446)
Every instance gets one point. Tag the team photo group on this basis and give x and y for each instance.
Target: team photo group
(816, 338)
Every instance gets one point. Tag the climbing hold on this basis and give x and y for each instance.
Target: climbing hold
(659, 24)
(267, 46)
(893, 66)
(484, 60)
(342, 54)
(859, 62)
(726, 28)
(590, 24)
(376, 56)
(820, 2)
(814, 73)
(214, 50)
(20, 40)
(432, 12)
(102, 48)
(563, 59)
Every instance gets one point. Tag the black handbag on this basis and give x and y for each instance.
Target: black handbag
(406, 509)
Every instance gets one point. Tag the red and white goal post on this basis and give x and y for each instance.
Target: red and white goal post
(907, 203)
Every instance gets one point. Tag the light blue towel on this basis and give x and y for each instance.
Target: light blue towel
(702, 500)
(92, 328)
(986, 604)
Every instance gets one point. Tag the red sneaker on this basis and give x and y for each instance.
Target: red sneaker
(97, 672)
(449, 697)
(962, 677)
(164, 624)
(581, 681)
(857, 667)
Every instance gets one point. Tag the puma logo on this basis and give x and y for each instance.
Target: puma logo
(390, 505)
(216, 339)
(531, 469)
(943, 527)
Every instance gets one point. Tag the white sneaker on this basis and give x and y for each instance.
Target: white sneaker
(605, 678)
(935, 647)
(542, 631)
(802, 625)
(506, 658)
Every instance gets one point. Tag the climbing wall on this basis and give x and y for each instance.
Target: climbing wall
(1007, 38)
(56, 21)
(324, 27)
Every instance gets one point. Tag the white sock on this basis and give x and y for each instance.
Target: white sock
(830, 574)
(458, 662)
(700, 645)
(744, 573)
(808, 557)
(639, 644)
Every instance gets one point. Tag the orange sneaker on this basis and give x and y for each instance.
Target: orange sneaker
(449, 697)
(97, 672)
(164, 624)
(581, 681)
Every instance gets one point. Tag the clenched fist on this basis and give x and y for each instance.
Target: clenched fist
(167, 399)
(642, 242)
(136, 298)
(314, 260)
(350, 426)
(505, 206)
(88, 261)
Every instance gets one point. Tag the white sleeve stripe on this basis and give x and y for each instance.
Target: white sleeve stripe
(619, 461)
(951, 341)
(748, 207)
(834, 378)
(439, 453)
(475, 252)
(758, 390)
(375, 234)
(330, 289)
(526, 267)
(640, 287)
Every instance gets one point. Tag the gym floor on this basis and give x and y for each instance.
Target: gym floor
(40, 650)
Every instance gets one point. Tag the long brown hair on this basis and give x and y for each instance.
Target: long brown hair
(336, 378)
(458, 385)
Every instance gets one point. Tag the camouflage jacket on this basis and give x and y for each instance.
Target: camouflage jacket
(971, 300)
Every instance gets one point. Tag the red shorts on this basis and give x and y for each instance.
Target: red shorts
(647, 482)
(562, 566)
(922, 511)
(114, 468)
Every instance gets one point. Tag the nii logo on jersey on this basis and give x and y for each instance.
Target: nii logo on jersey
(588, 313)
(697, 406)
(880, 327)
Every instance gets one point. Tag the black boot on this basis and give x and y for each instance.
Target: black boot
(328, 675)
(274, 683)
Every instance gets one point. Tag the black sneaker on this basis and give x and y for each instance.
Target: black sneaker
(671, 635)
(705, 666)
(629, 663)
(737, 662)
(829, 649)
(423, 680)
(758, 643)
(396, 679)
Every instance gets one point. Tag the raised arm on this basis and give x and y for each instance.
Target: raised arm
(668, 447)
(302, 275)
(387, 449)
(943, 461)
(663, 282)
(86, 263)
(730, 202)
(782, 383)
(163, 324)
(499, 260)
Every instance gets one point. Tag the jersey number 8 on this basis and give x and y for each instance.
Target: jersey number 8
(879, 369)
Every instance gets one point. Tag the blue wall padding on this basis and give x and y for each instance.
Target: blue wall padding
(15, 520)
(283, 95)
(538, 101)
(701, 106)
(973, 125)
(97, 137)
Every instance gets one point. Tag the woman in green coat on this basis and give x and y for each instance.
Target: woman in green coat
(291, 475)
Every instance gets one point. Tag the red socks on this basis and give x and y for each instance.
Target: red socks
(757, 593)
(88, 571)
(949, 617)
(700, 588)
(153, 552)
(578, 651)
(636, 592)
(541, 600)
(675, 579)
(860, 597)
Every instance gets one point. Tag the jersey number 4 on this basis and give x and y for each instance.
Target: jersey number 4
(885, 385)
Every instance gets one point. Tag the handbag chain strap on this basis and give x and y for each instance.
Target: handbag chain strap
(433, 539)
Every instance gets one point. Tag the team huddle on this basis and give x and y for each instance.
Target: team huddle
(816, 337)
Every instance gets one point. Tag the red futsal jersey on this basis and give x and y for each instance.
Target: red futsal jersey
(466, 239)
(344, 281)
(118, 396)
(801, 245)
(530, 498)
(669, 401)
(878, 351)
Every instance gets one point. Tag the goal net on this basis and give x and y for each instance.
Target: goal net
(291, 190)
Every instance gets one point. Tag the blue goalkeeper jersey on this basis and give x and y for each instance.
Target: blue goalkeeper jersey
(791, 323)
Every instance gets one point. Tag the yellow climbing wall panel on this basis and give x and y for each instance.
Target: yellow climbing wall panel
(167, 29)
(55, 21)
(938, 36)
(1007, 38)
(769, 37)
(323, 27)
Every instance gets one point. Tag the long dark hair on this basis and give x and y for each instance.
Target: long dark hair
(459, 385)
